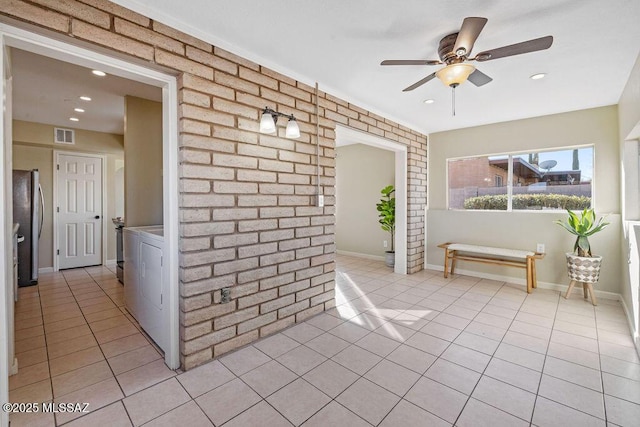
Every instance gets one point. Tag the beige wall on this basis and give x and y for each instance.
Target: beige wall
(33, 148)
(523, 230)
(143, 162)
(361, 172)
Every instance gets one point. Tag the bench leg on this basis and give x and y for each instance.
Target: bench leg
(593, 296)
(453, 262)
(446, 263)
(571, 285)
(529, 278)
(534, 279)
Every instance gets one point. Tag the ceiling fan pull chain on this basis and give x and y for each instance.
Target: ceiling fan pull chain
(453, 100)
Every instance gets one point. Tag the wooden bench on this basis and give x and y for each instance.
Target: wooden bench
(490, 255)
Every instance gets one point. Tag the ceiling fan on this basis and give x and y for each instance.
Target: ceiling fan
(454, 51)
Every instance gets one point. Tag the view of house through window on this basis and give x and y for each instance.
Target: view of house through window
(559, 179)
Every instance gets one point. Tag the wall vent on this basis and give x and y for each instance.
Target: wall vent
(64, 136)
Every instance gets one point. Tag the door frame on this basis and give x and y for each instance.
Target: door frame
(351, 135)
(54, 203)
(94, 57)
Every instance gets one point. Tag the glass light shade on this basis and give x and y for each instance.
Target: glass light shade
(293, 131)
(455, 74)
(267, 124)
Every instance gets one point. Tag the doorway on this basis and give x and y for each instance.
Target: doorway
(78, 214)
(18, 38)
(345, 135)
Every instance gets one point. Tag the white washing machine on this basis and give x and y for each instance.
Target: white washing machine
(144, 282)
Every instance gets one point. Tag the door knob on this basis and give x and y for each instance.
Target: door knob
(97, 217)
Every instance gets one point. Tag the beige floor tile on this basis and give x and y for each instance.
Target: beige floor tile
(96, 308)
(260, 414)
(520, 356)
(392, 377)
(455, 376)
(30, 343)
(56, 317)
(64, 324)
(205, 378)
(113, 415)
(75, 360)
(31, 357)
(29, 375)
(123, 345)
(67, 334)
(227, 401)
(412, 358)
(101, 315)
(71, 346)
(242, 361)
(427, 343)
(145, 376)
(268, 378)
(133, 359)
(331, 378)
(406, 414)
(35, 331)
(29, 323)
(510, 399)
(38, 419)
(115, 333)
(516, 375)
(551, 414)
(26, 315)
(622, 412)
(36, 392)
(102, 299)
(466, 357)
(577, 374)
(572, 395)
(97, 396)
(276, 345)
(80, 378)
(63, 298)
(59, 308)
(83, 296)
(109, 323)
(622, 388)
(191, 415)
(477, 413)
(301, 359)
(368, 400)
(437, 398)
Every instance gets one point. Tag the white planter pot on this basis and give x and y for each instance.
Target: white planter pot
(390, 259)
(583, 269)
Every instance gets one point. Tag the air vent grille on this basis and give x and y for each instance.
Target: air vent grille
(64, 136)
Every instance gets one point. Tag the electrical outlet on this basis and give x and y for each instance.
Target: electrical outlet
(225, 295)
(540, 248)
(385, 243)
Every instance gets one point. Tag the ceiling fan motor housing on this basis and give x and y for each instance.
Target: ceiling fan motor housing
(445, 50)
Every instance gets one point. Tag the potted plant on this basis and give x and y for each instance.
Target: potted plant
(387, 219)
(582, 265)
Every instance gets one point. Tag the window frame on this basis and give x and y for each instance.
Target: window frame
(510, 157)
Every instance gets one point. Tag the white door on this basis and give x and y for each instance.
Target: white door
(79, 210)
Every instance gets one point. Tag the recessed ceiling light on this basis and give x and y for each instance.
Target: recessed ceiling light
(99, 73)
(429, 101)
(538, 76)
(74, 119)
(85, 98)
(78, 110)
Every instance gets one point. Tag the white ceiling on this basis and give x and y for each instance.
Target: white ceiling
(340, 45)
(46, 90)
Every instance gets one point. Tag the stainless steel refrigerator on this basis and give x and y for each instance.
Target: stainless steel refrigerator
(28, 211)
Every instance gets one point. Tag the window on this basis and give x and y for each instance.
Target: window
(537, 180)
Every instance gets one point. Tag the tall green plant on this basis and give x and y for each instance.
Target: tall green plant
(583, 226)
(387, 212)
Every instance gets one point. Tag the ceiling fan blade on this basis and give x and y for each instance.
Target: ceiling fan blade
(516, 49)
(410, 62)
(420, 82)
(479, 78)
(469, 32)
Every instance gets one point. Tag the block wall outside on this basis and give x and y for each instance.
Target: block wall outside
(247, 214)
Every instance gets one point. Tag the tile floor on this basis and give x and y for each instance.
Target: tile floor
(414, 350)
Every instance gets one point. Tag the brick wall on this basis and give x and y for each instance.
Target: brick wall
(246, 199)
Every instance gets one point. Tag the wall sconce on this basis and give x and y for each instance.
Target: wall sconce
(270, 118)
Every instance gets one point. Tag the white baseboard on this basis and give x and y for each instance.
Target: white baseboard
(522, 282)
(13, 369)
(111, 262)
(359, 255)
(44, 270)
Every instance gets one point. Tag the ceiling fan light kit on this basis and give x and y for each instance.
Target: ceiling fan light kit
(270, 118)
(454, 51)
